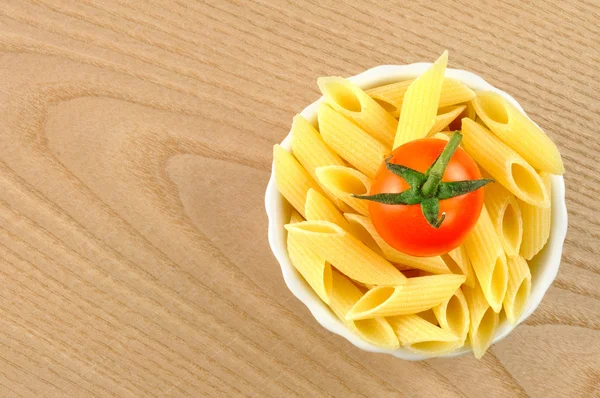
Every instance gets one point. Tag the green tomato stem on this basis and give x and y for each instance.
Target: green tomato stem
(436, 172)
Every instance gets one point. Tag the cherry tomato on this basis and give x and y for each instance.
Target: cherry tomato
(404, 227)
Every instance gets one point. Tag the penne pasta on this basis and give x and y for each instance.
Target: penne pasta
(413, 273)
(314, 268)
(293, 182)
(309, 148)
(536, 223)
(442, 135)
(349, 100)
(345, 252)
(344, 182)
(363, 233)
(363, 286)
(363, 229)
(418, 335)
(429, 316)
(505, 214)
(312, 152)
(488, 260)
(444, 117)
(296, 217)
(414, 295)
(376, 331)
(458, 262)
(344, 137)
(392, 95)
(519, 287)
(469, 112)
(479, 121)
(504, 164)
(517, 131)
(484, 320)
(420, 103)
(453, 315)
(319, 208)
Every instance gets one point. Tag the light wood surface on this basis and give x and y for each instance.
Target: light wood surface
(135, 147)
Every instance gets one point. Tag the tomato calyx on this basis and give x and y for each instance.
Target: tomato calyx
(427, 189)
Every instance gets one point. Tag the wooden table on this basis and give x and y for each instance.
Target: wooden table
(135, 147)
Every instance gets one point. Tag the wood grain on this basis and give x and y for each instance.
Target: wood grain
(136, 144)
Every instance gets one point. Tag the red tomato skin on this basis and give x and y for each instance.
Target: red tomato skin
(404, 227)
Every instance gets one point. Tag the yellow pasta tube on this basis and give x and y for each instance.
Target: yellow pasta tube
(519, 287)
(363, 229)
(344, 182)
(518, 132)
(469, 112)
(505, 214)
(458, 262)
(444, 117)
(414, 295)
(392, 95)
(536, 223)
(345, 252)
(296, 217)
(418, 335)
(484, 320)
(453, 315)
(504, 164)
(319, 208)
(351, 101)
(442, 135)
(488, 260)
(293, 182)
(429, 316)
(412, 273)
(479, 121)
(351, 142)
(309, 148)
(312, 152)
(313, 267)
(420, 103)
(376, 331)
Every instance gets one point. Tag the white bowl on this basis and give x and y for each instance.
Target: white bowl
(544, 266)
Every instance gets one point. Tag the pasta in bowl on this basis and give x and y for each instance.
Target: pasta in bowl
(352, 280)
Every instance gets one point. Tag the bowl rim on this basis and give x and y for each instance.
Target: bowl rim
(550, 256)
